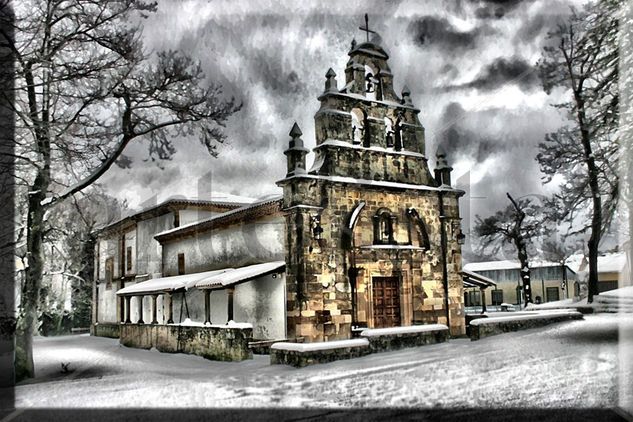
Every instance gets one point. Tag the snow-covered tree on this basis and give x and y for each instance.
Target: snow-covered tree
(83, 89)
(517, 224)
(582, 60)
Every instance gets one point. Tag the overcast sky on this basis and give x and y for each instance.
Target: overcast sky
(470, 66)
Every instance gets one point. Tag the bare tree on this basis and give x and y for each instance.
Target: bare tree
(516, 224)
(84, 89)
(583, 60)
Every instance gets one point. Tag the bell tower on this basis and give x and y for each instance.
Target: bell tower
(367, 220)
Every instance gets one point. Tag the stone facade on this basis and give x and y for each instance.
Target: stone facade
(371, 235)
(211, 342)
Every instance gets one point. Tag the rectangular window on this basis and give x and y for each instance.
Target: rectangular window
(128, 258)
(109, 272)
(497, 297)
(552, 294)
(181, 263)
(176, 219)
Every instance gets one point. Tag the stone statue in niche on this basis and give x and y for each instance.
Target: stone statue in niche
(398, 132)
(358, 127)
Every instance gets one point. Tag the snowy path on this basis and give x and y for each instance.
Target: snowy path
(569, 365)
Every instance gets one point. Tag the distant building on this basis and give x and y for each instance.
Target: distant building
(549, 282)
(613, 270)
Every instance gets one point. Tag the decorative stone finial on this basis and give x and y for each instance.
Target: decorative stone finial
(353, 43)
(295, 132)
(406, 96)
(330, 82)
(442, 169)
(440, 153)
(296, 153)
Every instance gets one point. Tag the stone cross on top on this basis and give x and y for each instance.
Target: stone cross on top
(366, 28)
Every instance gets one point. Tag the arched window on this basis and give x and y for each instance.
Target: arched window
(371, 82)
(358, 126)
(389, 132)
(384, 223)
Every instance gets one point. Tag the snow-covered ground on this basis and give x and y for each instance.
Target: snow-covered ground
(565, 365)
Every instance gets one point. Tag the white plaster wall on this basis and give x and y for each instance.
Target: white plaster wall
(234, 246)
(108, 247)
(219, 306)
(262, 302)
(106, 308)
(191, 216)
(148, 250)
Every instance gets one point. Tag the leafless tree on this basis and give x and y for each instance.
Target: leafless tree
(583, 60)
(85, 88)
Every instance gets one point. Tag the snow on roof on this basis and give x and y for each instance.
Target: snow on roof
(400, 247)
(208, 279)
(475, 280)
(219, 216)
(324, 345)
(375, 332)
(377, 183)
(611, 263)
(215, 198)
(238, 275)
(344, 144)
(167, 284)
(507, 265)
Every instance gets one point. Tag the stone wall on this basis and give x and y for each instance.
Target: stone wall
(407, 337)
(319, 297)
(106, 330)
(222, 343)
(300, 358)
(481, 328)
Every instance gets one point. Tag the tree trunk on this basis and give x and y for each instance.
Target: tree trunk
(525, 270)
(596, 215)
(29, 302)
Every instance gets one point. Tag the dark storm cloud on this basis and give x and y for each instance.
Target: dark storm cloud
(438, 31)
(273, 76)
(496, 9)
(457, 139)
(503, 71)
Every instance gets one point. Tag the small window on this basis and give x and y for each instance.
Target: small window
(109, 272)
(128, 258)
(497, 297)
(383, 228)
(181, 263)
(176, 219)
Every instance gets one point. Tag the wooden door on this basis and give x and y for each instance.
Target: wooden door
(386, 292)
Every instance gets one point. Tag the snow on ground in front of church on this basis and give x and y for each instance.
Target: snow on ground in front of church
(571, 364)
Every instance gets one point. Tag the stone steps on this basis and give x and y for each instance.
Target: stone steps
(609, 303)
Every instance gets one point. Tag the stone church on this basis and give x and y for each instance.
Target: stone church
(365, 237)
